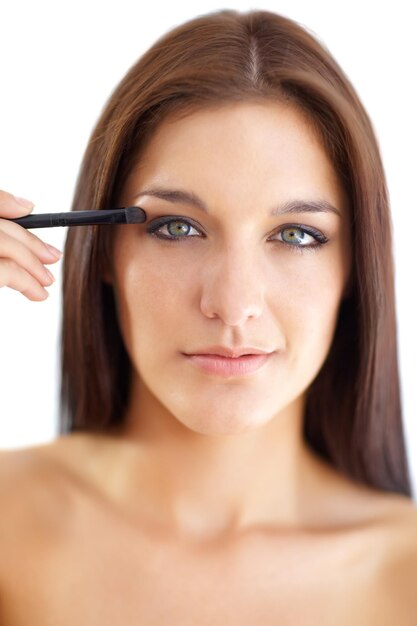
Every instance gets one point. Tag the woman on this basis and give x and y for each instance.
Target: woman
(192, 481)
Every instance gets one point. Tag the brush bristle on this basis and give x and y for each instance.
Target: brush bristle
(135, 215)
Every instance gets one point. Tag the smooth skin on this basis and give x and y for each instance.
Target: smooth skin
(206, 506)
(226, 454)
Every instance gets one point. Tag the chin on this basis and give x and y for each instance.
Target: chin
(225, 424)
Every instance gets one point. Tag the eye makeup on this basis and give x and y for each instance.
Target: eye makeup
(157, 224)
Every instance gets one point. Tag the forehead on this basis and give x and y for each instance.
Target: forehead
(241, 148)
(275, 129)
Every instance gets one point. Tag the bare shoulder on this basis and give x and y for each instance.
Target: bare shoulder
(403, 564)
(393, 596)
(386, 577)
(27, 469)
(45, 480)
(47, 460)
(35, 496)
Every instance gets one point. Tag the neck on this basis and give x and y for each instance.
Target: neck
(199, 485)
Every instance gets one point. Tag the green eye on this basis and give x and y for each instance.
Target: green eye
(174, 229)
(295, 236)
(178, 227)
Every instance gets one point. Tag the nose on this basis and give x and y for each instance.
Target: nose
(232, 288)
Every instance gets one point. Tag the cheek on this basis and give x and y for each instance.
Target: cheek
(308, 314)
(151, 297)
(311, 289)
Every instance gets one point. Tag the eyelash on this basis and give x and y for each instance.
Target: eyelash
(163, 221)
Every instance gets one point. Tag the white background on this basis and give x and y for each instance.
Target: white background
(59, 62)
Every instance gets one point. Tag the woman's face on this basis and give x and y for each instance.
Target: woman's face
(237, 275)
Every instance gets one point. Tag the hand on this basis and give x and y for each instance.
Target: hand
(22, 254)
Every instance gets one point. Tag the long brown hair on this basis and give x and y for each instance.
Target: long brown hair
(353, 413)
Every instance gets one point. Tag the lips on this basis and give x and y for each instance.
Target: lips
(232, 353)
(229, 366)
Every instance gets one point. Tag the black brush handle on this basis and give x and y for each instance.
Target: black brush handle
(122, 215)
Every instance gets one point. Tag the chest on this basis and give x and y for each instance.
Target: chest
(105, 573)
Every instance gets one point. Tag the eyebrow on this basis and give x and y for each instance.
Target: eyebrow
(188, 197)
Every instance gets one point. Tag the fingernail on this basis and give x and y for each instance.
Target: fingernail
(54, 251)
(51, 276)
(28, 204)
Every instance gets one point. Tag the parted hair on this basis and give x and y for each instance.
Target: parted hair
(353, 416)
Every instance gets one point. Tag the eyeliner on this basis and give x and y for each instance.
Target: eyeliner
(122, 215)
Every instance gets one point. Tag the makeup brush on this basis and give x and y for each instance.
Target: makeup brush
(122, 215)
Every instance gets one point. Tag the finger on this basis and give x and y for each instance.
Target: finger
(12, 206)
(34, 243)
(12, 249)
(15, 277)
